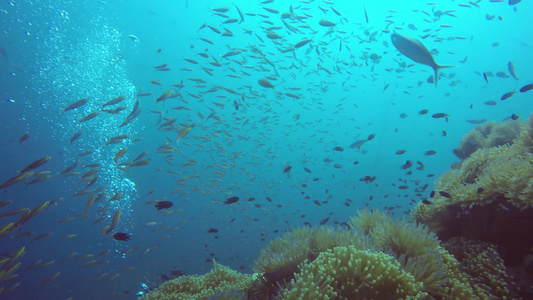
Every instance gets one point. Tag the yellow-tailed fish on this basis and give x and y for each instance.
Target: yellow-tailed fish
(416, 51)
(47, 280)
(183, 133)
(114, 222)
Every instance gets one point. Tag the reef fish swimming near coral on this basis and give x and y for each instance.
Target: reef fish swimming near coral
(416, 51)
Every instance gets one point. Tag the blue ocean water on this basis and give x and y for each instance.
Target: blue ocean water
(231, 137)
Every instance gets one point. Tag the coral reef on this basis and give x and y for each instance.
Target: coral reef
(419, 252)
(381, 258)
(483, 264)
(377, 258)
(489, 197)
(349, 273)
(488, 135)
(219, 283)
(502, 174)
(295, 246)
(483, 210)
(279, 261)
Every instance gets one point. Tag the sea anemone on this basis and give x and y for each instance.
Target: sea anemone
(417, 250)
(488, 135)
(485, 267)
(501, 174)
(350, 273)
(489, 198)
(220, 282)
(378, 258)
(279, 261)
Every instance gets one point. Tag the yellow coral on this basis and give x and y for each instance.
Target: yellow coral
(221, 281)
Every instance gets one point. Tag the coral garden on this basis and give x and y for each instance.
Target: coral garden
(491, 134)
(489, 197)
(220, 283)
(473, 241)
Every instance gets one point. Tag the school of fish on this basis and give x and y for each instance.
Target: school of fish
(258, 78)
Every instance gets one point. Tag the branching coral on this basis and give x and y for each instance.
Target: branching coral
(220, 282)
